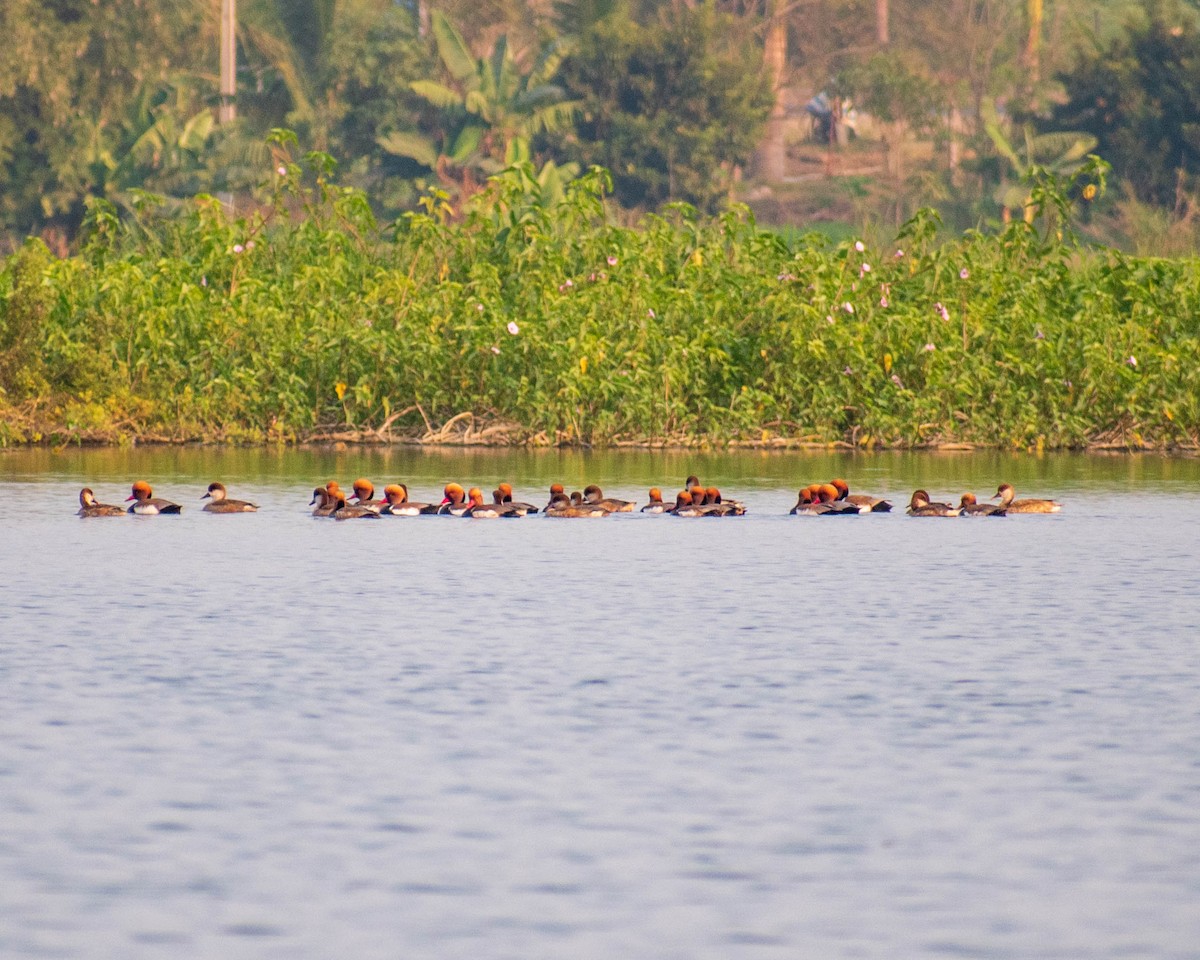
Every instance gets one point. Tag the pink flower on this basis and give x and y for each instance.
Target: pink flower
(513, 328)
(1132, 361)
(651, 314)
(479, 307)
(496, 350)
(612, 261)
(281, 170)
(865, 268)
(238, 248)
(883, 302)
(963, 273)
(848, 307)
(929, 347)
(899, 254)
(859, 246)
(941, 311)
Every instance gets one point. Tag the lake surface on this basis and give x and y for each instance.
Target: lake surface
(638, 737)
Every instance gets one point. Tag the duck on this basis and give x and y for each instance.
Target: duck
(480, 509)
(397, 504)
(145, 504)
(219, 503)
(827, 496)
(561, 506)
(364, 494)
(556, 489)
(505, 492)
(454, 500)
(1006, 493)
(720, 506)
(970, 507)
(921, 506)
(686, 505)
(325, 502)
(657, 504)
(88, 507)
(352, 511)
(807, 502)
(865, 504)
(595, 496)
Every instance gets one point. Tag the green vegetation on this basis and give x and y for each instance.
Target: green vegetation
(547, 322)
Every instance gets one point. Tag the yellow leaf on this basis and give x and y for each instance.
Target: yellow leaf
(1167, 412)
(444, 272)
(887, 363)
(583, 364)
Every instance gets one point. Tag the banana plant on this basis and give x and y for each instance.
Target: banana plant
(489, 109)
(1063, 154)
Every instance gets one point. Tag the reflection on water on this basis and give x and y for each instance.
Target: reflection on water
(268, 735)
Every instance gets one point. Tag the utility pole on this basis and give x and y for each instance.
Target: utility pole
(227, 111)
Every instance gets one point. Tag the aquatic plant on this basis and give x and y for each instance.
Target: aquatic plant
(522, 318)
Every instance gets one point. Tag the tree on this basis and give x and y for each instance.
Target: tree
(1140, 98)
(668, 104)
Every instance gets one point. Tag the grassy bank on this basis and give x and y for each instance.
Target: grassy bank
(526, 321)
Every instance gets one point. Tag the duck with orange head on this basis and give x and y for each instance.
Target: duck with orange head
(145, 504)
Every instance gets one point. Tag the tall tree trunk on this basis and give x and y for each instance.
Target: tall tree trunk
(881, 22)
(1033, 45)
(772, 155)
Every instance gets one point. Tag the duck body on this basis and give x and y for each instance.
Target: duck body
(1007, 495)
(397, 504)
(504, 494)
(352, 511)
(657, 504)
(479, 509)
(561, 506)
(88, 507)
(970, 507)
(595, 496)
(218, 502)
(689, 504)
(145, 504)
(921, 506)
(865, 503)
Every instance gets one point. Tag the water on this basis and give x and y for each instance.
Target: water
(769, 737)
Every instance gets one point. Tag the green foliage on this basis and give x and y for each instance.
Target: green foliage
(488, 111)
(1139, 96)
(668, 104)
(306, 318)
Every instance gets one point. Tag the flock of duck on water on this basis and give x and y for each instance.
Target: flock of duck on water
(695, 500)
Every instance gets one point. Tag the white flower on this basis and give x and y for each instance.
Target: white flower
(513, 328)
(479, 307)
